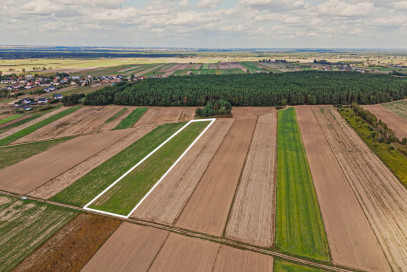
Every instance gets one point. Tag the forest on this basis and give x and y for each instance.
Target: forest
(293, 88)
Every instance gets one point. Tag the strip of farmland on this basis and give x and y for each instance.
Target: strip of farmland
(93, 183)
(207, 209)
(382, 197)
(299, 226)
(124, 196)
(162, 115)
(29, 174)
(252, 216)
(131, 119)
(25, 225)
(282, 266)
(72, 246)
(166, 202)
(351, 239)
(67, 178)
(399, 108)
(394, 121)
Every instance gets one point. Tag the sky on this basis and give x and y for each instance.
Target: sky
(206, 23)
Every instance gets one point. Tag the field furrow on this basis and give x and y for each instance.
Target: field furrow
(398, 107)
(162, 115)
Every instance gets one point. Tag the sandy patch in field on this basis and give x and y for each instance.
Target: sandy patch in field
(27, 175)
(162, 115)
(166, 202)
(4, 200)
(207, 209)
(251, 111)
(252, 216)
(351, 239)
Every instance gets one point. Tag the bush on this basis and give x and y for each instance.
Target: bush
(219, 108)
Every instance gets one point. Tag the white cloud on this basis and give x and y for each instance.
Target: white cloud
(342, 8)
(275, 5)
(208, 3)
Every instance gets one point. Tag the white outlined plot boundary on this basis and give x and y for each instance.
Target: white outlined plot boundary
(212, 120)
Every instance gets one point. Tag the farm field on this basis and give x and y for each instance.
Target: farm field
(395, 121)
(131, 119)
(381, 196)
(398, 107)
(10, 118)
(14, 121)
(25, 225)
(123, 197)
(162, 115)
(299, 226)
(352, 241)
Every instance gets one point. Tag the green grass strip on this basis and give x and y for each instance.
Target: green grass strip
(10, 118)
(299, 226)
(391, 157)
(130, 120)
(10, 155)
(40, 124)
(125, 195)
(282, 266)
(25, 225)
(117, 115)
(93, 183)
(23, 121)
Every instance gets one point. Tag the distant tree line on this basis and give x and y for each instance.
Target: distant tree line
(293, 88)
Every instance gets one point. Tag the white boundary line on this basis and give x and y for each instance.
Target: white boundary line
(146, 157)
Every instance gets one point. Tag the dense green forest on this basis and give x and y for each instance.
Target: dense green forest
(294, 88)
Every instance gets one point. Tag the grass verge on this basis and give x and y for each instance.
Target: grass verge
(10, 118)
(40, 124)
(125, 195)
(390, 155)
(94, 182)
(25, 225)
(299, 226)
(130, 120)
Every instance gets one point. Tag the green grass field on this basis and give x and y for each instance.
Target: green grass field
(93, 183)
(398, 107)
(125, 195)
(10, 118)
(391, 157)
(299, 226)
(117, 115)
(252, 68)
(131, 119)
(281, 266)
(25, 225)
(40, 124)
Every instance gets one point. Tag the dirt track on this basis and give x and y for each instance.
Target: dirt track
(29, 174)
(130, 248)
(251, 111)
(207, 209)
(67, 178)
(162, 115)
(252, 215)
(381, 195)
(166, 202)
(394, 121)
(83, 121)
(351, 239)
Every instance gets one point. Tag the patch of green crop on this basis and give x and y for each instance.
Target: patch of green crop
(281, 266)
(130, 120)
(117, 115)
(10, 118)
(398, 107)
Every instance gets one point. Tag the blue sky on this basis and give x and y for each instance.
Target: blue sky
(206, 23)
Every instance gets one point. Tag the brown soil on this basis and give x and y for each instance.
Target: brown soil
(351, 239)
(83, 121)
(166, 202)
(130, 248)
(13, 121)
(67, 178)
(235, 260)
(207, 209)
(72, 246)
(29, 174)
(30, 123)
(162, 115)
(394, 121)
(111, 125)
(181, 253)
(4, 200)
(251, 111)
(381, 195)
(174, 68)
(252, 215)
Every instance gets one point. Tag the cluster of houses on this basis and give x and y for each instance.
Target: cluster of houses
(26, 103)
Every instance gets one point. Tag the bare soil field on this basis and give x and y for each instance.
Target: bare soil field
(162, 115)
(166, 202)
(29, 174)
(30, 123)
(382, 197)
(252, 216)
(83, 121)
(172, 69)
(251, 111)
(213, 66)
(207, 209)
(181, 253)
(230, 259)
(394, 121)
(72, 246)
(351, 239)
(67, 178)
(111, 125)
(130, 248)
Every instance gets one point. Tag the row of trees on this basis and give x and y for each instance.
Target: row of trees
(218, 108)
(294, 88)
